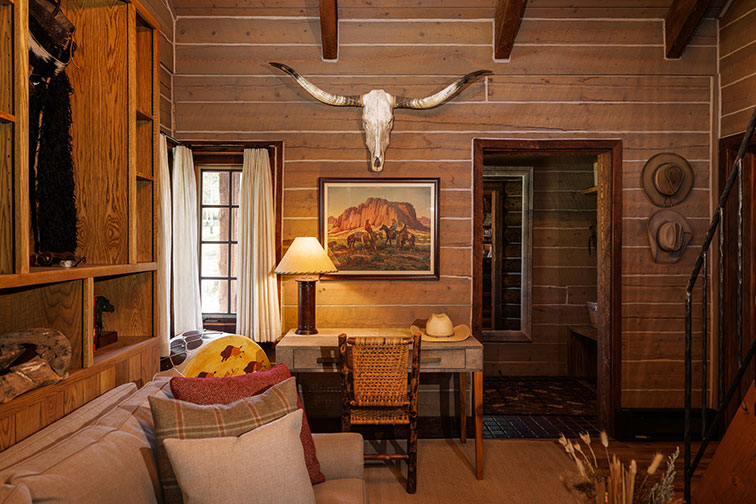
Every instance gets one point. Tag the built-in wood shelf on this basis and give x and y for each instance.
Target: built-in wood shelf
(142, 176)
(4, 116)
(125, 344)
(590, 190)
(142, 115)
(50, 391)
(50, 274)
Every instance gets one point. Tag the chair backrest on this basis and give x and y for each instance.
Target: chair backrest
(374, 370)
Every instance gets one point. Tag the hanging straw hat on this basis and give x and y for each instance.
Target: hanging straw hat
(669, 234)
(439, 328)
(667, 179)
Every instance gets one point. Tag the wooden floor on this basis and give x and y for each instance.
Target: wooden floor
(515, 471)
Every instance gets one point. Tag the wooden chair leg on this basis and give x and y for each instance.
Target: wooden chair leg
(346, 424)
(412, 458)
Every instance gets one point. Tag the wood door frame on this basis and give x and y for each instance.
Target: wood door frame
(609, 268)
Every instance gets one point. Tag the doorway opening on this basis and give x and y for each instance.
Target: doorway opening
(547, 250)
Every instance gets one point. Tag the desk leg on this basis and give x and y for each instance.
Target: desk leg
(463, 407)
(478, 404)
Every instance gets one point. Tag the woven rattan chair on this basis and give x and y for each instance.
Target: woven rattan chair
(375, 389)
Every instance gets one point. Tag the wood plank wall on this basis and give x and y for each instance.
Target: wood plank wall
(737, 52)
(164, 13)
(575, 73)
(564, 274)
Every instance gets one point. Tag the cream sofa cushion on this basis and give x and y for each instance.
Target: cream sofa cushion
(262, 466)
(101, 452)
(15, 494)
(341, 491)
(47, 438)
(112, 468)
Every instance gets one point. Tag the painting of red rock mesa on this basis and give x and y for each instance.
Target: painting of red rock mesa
(386, 228)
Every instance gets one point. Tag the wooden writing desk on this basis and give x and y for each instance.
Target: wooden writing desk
(319, 353)
(582, 351)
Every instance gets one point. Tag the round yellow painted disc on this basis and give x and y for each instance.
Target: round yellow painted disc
(227, 356)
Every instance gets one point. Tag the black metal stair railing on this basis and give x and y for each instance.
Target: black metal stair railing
(701, 266)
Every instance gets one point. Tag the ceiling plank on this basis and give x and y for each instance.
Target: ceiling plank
(329, 29)
(506, 24)
(680, 23)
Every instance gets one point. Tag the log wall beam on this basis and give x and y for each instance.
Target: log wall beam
(329, 29)
(680, 23)
(506, 24)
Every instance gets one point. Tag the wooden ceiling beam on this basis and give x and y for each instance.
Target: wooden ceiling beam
(506, 25)
(329, 29)
(680, 23)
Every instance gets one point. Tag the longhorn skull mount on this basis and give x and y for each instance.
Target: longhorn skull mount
(378, 108)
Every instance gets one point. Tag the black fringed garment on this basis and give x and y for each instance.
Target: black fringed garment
(52, 187)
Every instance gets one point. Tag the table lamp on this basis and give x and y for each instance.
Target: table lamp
(306, 257)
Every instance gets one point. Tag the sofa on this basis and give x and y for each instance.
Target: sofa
(104, 452)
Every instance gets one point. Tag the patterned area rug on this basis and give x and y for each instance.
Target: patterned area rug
(538, 396)
(537, 426)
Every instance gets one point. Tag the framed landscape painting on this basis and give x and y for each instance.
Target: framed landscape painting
(381, 228)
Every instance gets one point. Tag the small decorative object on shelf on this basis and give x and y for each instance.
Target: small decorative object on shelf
(102, 338)
(62, 259)
(31, 358)
(617, 483)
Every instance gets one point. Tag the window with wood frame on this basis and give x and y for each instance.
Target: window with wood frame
(219, 169)
(219, 208)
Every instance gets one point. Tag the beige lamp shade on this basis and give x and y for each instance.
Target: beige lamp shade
(305, 257)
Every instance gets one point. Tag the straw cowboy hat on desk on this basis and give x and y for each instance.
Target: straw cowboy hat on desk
(439, 329)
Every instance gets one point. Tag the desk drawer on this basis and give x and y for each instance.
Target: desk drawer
(328, 358)
(316, 358)
(442, 359)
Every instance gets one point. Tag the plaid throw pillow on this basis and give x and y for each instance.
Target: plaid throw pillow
(182, 420)
(232, 388)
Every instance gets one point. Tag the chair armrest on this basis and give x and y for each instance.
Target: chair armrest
(341, 454)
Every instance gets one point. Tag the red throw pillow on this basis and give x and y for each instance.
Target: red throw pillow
(229, 389)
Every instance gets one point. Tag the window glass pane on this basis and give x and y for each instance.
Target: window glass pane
(214, 260)
(236, 187)
(233, 296)
(214, 296)
(234, 224)
(215, 188)
(215, 224)
(234, 260)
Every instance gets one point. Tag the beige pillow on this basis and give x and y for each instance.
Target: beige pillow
(264, 465)
(180, 419)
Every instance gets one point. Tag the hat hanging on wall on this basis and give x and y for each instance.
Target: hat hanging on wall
(669, 233)
(667, 179)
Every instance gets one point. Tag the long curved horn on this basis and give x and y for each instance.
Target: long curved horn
(440, 97)
(317, 93)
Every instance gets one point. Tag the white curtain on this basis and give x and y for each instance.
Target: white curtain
(164, 251)
(187, 306)
(257, 312)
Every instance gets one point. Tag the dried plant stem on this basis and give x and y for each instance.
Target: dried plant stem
(631, 482)
(593, 454)
(585, 457)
